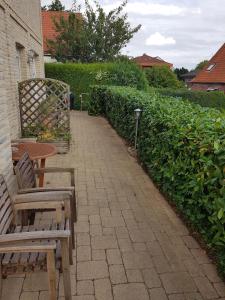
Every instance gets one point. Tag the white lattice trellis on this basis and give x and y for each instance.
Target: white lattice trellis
(44, 105)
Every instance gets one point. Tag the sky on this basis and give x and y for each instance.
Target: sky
(183, 32)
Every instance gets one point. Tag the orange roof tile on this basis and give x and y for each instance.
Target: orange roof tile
(48, 27)
(214, 71)
(148, 61)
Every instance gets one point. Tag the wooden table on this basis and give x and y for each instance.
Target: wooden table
(36, 151)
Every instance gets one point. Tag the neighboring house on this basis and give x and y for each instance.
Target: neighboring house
(49, 31)
(212, 77)
(21, 57)
(146, 61)
(188, 77)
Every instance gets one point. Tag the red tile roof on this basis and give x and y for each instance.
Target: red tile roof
(148, 61)
(214, 71)
(48, 27)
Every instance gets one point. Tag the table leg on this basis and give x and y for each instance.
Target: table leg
(41, 177)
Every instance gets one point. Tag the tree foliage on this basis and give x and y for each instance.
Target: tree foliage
(56, 5)
(201, 65)
(180, 71)
(96, 36)
(162, 77)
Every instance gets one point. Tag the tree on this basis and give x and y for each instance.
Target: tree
(44, 8)
(180, 71)
(101, 35)
(56, 6)
(69, 42)
(162, 77)
(201, 65)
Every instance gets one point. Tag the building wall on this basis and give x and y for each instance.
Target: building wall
(21, 57)
(207, 86)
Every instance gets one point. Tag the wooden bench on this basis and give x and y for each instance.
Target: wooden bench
(32, 248)
(26, 178)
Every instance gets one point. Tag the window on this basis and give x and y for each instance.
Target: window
(18, 71)
(32, 56)
(210, 67)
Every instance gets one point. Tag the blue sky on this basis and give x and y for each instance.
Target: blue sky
(182, 32)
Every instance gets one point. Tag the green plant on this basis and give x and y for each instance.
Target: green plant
(182, 147)
(162, 77)
(214, 99)
(81, 76)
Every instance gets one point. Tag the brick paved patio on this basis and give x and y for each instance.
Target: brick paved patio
(130, 243)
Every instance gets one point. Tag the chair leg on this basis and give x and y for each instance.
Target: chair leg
(72, 234)
(71, 251)
(66, 269)
(51, 275)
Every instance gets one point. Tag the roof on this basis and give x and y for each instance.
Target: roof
(214, 71)
(48, 27)
(190, 74)
(149, 61)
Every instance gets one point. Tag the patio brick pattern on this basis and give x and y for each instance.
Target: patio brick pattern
(130, 245)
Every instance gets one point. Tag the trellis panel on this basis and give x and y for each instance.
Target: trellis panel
(44, 103)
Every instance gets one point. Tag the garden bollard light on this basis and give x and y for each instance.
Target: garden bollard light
(137, 115)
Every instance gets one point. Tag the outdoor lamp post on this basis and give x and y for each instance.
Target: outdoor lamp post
(137, 116)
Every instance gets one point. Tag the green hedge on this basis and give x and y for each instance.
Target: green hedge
(81, 76)
(183, 148)
(205, 99)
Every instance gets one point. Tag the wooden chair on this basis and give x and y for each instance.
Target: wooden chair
(26, 178)
(31, 248)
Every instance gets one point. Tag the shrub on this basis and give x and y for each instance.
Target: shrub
(183, 148)
(162, 77)
(214, 99)
(81, 76)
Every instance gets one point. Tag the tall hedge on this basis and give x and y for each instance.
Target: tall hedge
(214, 99)
(81, 76)
(183, 148)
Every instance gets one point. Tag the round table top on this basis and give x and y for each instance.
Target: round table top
(35, 150)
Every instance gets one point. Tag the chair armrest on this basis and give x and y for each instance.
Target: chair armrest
(57, 170)
(28, 247)
(46, 189)
(42, 197)
(32, 236)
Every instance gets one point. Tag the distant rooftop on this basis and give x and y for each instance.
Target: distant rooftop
(146, 61)
(214, 71)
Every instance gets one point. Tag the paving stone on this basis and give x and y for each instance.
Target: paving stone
(137, 260)
(200, 256)
(190, 242)
(85, 287)
(95, 230)
(210, 271)
(83, 253)
(84, 297)
(103, 289)
(37, 281)
(193, 296)
(88, 210)
(92, 270)
(117, 274)
(205, 287)
(157, 294)
(161, 264)
(103, 242)
(29, 296)
(116, 221)
(11, 288)
(44, 295)
(151, 278)
(220, 288)
(139, 246)
(179, 282)
(125, 245)
(122, 233)
(193, 267)
(154, 248)
(130, 291)
(134, 276)
(108, 231)
(83, 239)
(177, 297)
(82, 227)
(98, 255)
(114, 257)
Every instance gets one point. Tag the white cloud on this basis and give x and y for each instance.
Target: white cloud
(157, 39)
(145, 9)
